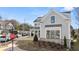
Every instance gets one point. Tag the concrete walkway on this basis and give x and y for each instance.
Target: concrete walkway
(15, 49)
(24, 38)
(9, 48)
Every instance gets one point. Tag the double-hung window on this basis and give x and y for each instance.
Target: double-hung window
(52, 19)
(53, 34)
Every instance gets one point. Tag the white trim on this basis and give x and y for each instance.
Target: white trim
(58, 14)
(54, 19)
(53, 28)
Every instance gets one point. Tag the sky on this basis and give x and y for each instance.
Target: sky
(29, 14)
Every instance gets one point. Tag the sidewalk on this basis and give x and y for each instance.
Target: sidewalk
(15, 49)
(4, 45)
(9, 48)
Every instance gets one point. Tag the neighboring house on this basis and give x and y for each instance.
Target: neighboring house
(9, 26)
(53, 27)
(6, 26)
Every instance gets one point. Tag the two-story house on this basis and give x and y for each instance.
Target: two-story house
(53, 27)
(6, 26)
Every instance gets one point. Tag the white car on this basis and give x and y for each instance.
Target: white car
(18, 35)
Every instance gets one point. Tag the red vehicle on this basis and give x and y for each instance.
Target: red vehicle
(12, 36)
(4, 35)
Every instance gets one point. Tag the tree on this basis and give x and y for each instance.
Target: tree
(17, 27)
(77, 19)
(75, 36)
(71, 28)
(35, 38)
(76, 9)
(72, 33)
(25, 27)
(14, 22)
(65, 42)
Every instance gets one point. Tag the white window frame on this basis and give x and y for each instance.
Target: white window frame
(54, 19)
(52, 28)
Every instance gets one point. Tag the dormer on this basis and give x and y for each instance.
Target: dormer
(37, 22)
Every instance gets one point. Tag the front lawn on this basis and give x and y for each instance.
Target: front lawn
(76, 46)
(39, 46)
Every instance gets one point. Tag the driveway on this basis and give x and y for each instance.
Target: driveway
(24, 38)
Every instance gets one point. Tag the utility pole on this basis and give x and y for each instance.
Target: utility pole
(24, 25)
(12, 41)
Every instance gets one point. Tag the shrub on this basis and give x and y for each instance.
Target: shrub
(75, 36)
(65, 42)
(31, 34)
(72, 33)
(72, 44)
(35, 38)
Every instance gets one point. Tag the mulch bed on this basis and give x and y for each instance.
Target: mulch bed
(43, 46)
(51, 46)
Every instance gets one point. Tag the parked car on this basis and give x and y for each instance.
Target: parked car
(4, 38)
(8, 37)
(24, 34)
(18, 35)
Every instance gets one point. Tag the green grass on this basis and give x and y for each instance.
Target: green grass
(76, 45)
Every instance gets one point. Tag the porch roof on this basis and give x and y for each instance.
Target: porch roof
(35, 27)
(54, 25)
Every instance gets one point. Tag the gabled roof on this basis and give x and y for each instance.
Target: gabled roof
(62, 14)
(65, 15)
(9, 24)
(5, 23)
(35, 27)
(67, 12)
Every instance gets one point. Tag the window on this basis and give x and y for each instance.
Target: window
(57, 34)
(48, 34)
(53, 34)
(35, 24)
(35, 32)
(53, 19)
(39, 33)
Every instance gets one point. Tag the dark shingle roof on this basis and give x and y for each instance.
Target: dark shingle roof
(66, 14)
(35, 27)
(38, 19)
